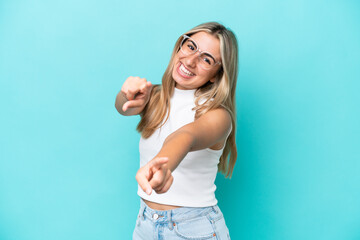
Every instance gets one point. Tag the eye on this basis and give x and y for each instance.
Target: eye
(191, 46)
(207, 60)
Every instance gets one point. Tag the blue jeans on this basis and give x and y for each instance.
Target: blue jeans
(180, 223)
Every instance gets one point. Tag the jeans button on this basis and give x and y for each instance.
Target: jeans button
(155, 216)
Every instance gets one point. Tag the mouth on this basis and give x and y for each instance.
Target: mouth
(184, 72)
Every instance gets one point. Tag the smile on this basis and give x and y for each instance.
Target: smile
(184, 71)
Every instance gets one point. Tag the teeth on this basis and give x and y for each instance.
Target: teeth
(184, 70)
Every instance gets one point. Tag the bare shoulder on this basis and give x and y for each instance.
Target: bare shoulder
(213, 127)
(218, 117)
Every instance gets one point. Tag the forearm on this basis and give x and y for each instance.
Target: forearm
(175, 147)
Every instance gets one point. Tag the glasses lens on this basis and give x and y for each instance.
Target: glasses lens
(188, 46)
(206, 61)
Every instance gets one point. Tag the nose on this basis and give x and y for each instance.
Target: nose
(191, 60)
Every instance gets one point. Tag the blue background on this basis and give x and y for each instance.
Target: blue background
(68, 159)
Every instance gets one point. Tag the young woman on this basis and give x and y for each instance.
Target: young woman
(187, 131)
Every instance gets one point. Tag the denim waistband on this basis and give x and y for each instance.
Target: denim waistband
(176, 214)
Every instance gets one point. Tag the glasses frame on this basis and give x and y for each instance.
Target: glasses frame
(197, 50)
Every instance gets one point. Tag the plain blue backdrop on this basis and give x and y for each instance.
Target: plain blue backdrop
(68, 159)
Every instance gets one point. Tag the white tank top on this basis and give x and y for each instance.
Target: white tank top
(194, 178)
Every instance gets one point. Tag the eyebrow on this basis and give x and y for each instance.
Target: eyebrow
(208, 54)
(193, 43)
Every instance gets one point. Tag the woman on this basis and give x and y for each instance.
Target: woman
(187, 131)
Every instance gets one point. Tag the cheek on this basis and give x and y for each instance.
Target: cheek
(208, 74)
(174, 68)
(174, 62)
(212, 76)
(215, 72)
(177, 56)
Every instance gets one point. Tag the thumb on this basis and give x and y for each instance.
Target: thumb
(158, 162)
(145, 87)
(148, 85)
(132, 104)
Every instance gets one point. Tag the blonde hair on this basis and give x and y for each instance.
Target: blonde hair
(219, 94)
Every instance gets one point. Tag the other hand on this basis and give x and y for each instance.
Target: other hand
(137, 91)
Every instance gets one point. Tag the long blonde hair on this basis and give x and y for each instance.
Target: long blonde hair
(221, 93)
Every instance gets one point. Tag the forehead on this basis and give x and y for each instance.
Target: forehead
(207, 42)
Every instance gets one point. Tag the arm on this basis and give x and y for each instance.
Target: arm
(204, 132)
(211, 128)
(133, 97)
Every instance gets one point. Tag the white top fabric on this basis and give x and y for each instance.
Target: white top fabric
(194, 178)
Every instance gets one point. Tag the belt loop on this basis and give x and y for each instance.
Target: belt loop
(215, 209)
(171, 226)
(142, 210)
(141, 216)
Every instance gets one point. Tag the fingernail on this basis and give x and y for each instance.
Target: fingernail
(148, 191)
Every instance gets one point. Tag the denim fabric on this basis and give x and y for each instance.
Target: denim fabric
(180, 223)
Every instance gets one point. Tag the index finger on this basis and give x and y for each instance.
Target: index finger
(144, 183)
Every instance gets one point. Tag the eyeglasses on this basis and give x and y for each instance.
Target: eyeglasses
(188, 46)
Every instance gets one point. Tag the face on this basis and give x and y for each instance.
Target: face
(187, 72)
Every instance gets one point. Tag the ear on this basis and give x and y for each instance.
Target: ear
(213, 80)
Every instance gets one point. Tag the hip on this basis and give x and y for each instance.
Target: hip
(180, 223)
